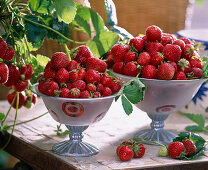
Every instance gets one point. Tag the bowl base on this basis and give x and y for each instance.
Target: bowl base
(74, 149)
(160, 135)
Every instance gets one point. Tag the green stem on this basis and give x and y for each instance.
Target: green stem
(73, 36)
(44, 26)
(10, 26)
(67, 51)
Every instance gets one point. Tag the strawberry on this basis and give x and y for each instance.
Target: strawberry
(174, 65)
(144, 59)
(81, 74)
(64, 93)
(157, 59)
(106, 81)
(153, 47)
(195, 73)
(149, 72)
(62, 75)
(73, 76)
(195, 62)
(176, 149)
(118, 67)
(14, 75)
(115, 87)
(80, 84)
(180, 75)
(130, 69)
(137, 44)
(4, 73)
(22, 99)
(110, 61)
(73, 65)
(74, 93)
(188, 51)
(180, 43)
(185, 40)
(96, 64)
(41, 87)
(166, 39)
(129, 56)
(50, 74)
(153, 33)
(139, 150)
(172, 52)
(126, 143)
(189, 147)
(184, 65)
(69, 85)
(20, 86)
(165, 71)
(85, 94)
(92, 77)
(26, 72)
(91, 87)
(100, 87)
(106, 91)
(50, 88)
(9, 54)
(125, 153)
(118, 52)
(48, 66)
(83, 53)
(34, 98)
(59, 60)
(3, 48)
(96, 94)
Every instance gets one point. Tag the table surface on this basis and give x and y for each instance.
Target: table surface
(32, 142)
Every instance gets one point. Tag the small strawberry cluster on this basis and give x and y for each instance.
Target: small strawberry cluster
(16, 77)
(130, 149)
(83, 77)
(156, 55)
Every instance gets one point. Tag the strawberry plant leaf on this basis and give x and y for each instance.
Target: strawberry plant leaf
(196, 155)
(6, 127)
(199, 119)
(1, 116)
(34, 4)
(110, 10)
(117, 97)
(194, 128)
(43, 60)
(126, 105)
(132, 93)
(122, 33)
(42, 7)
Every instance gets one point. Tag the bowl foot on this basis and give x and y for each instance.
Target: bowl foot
(162, 136)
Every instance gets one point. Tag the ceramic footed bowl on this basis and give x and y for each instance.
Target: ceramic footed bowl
(77, 115)
(163, 97)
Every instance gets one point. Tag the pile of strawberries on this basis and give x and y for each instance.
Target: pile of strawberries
(15, 77)
(156, 55)
(83, 77)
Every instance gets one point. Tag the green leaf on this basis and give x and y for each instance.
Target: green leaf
(117, 97)
(6, 128)
(66, 10)
(18, 31)
(196, 155)
(110, 10)
(132, 93)
(122, 33)
(194, 128)
(45, 6)
(126, 105)
(43, 60)
(1, 116)
(34, 4)
(199, 119)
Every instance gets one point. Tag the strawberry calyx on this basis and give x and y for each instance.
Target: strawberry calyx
(183, 63)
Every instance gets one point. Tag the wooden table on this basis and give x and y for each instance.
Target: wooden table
(32, 142)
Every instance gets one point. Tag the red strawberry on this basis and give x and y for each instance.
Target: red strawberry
(149, 72)
(195, 62)
(153, 33)
(34, 98)
(48, 66)
(189, 147)
(129, 56)
(81, 74)
(166, 39)
(92, 77)
(9, 54)
(139, 150)
(69, 85)
(14, 75)
(74, 93)
(188, 51)
(50, 74)
(115, 87)
(174, 65)
(20, 86)
(80, 84)
(125, 153)
(180, 75)
(172, 52)
(3, 48)
(186, 40)
(22, 99)
(176, 149)
(106, 91)
(180, 43)
(110, 61)
(153, 47)
(96, 64)
(73, 65)
(91, 87)
(130, 69)
(165, 71)
(41, 87)
(85, 94)
(59, 60)
(126, 143)
(100, 87)
(118, 51)
(26, 72)
(106, 81)
(62, 75)
(4, 73)
(50, 88)
(64, 93)
(195, 73)
(83, 53)
(96, 94)
(157, 59)
(184, 65)
(118, 67)
(144, 59)
(73, 76)
(137, 44)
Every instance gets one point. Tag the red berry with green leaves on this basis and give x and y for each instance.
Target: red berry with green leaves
(85, 94)
(195, 73)
(22, 99)
(74, 93)
(106, 81)
(129, 56)
(130, 69)
(62, 75)
(91, 87)
(195, 62)
(180, 43)
(106, 91)
(176, 149)
(3, 48)
(190, 147)
(50, 74)
(139, 150)
(180, 75)
(59, 60)
(149, 72)
(20, 86)
(188, 51)
(157, 59)
(50, 88)
(118, 52)
(73, 65)
(172, 52)
(184, 65)
(80, 84)
(96, 64)
(92, 76)
(9, 54)
(125, 153)
(165, 71)
(26, 72)
(144, 58)
(14, 75)
(73, 76)
(96, 94)
(118, 67)
(153, 47)
(64, 93)
(137, 44)
(153, 33)
(4, 73)
(83, 53)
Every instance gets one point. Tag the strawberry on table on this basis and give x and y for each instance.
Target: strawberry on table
(125, 153)
(189, 147)
(139, 150)
(176, 149)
